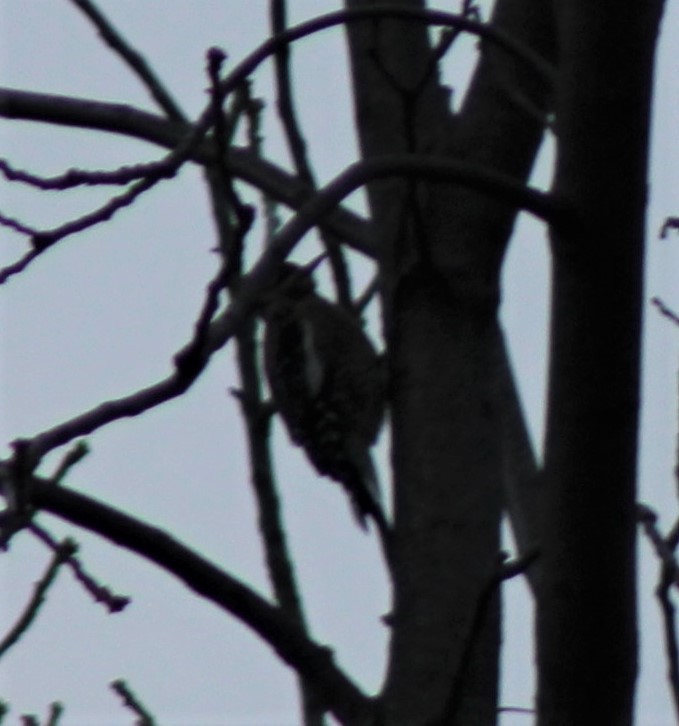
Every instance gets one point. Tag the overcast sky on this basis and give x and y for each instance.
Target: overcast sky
(102, 315)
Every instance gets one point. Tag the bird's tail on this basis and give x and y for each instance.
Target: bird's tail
(366, 498)
(363, 485)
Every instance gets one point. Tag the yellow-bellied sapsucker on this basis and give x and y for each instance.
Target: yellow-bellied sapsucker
(328, 384)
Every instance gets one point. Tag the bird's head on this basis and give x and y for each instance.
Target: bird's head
(291, 282)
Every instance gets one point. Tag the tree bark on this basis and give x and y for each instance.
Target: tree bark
(441, 249)
(586, 620)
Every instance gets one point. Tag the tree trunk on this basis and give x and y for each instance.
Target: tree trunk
(586, 620)
(441, 249)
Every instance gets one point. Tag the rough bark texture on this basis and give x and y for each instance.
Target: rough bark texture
(441, 250)
(586, 620)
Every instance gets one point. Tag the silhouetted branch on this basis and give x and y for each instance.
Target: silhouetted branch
(522, 483)
(298, 148)
(195, 356)
(100, 593)
(131, 701)
(669, 578)
(133, 58)
(428, 17)
(77, 177)
(663, 593)
(665, 310)
(55, 714)
(648, 520)
(121, 119)
(188, 365)
(313, 662)
(246, 67)
(506, 569)
(72, 457)
(42, 240)
(61, 555)
(669, 224)
(226, 205)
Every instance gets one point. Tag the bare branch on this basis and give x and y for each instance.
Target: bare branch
(273, 45)
(429, 17)
(100, 593)
(648, 520)
(669, 579)
(63, 552)
(134, 59)
(55, 714)
(243, 164)
(131, 701)
(505, 569)
(298, 148)
(669, 224)
(666, 310)
(312, 661)
(76, 177)
(189, 364)
(522, 482)
(72, 457)
(663, 593)
(227, 211)
(194, 357)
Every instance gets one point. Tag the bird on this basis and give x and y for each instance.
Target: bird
(327, 383)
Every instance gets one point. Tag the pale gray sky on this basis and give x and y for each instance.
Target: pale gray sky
(102, 315)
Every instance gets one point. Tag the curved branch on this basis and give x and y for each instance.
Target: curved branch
(195, 356)
(434, 169)
(314, 662)
(429, 17)
(131, 122)
(10, 100)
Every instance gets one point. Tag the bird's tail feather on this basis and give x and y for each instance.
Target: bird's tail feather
(366, 499)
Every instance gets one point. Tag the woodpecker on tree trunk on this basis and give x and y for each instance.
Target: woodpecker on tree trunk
(328, 385)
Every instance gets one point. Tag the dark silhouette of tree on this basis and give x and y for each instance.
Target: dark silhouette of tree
(444, 190)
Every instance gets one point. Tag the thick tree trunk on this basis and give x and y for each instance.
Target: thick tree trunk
(586, 620)
(441, 251)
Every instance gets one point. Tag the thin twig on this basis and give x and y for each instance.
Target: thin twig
(133, 58)
(648, 520)
(430, 17)
(298, 149)
(245, 166)
(100, 593)
(209, 338)
(669, 578)
(131, 700)
(78, 177)
(72, 457)
(243, 70)
(232, 227)
(256, 412)
(189, 364)
(665, 310)
(65, 550)
(312, 661)
(43, 240)
(505, 570)
(18, 266)
(663, 590)
(669, 224)
(55, 713)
